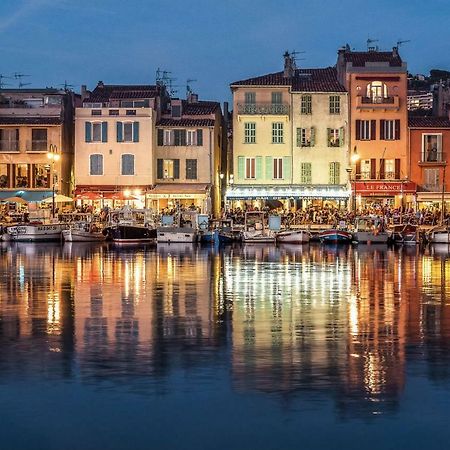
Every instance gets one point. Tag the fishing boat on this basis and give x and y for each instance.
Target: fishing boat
(256, 230)
(34, 232)
(335, 235)
(370, 230)
(439, 235)
(219, 232)
(293, 237)
(182, 228)
(405, 233)
(84, 233)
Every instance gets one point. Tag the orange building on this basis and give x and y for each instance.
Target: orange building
(377, 86)
(429, 139)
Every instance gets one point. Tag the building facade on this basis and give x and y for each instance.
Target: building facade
(34, 122)
(115, 138)
(429, 139)
(377, 86)
(289, 138)
(188, 156)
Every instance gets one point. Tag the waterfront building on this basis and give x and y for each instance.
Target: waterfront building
(377, 85)
(289, 138)
(188, 156)
(34, 122)
(114, 142)
(428, 138)
(422, 100)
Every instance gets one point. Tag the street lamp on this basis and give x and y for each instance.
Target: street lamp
(53, 156)
(354, 158)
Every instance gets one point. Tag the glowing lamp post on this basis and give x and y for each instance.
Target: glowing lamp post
(354, 159)
(53, 156)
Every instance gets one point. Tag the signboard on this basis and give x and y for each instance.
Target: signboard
(174, 196)
(384, 187)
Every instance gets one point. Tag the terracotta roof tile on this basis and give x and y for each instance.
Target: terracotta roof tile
(13, 120)
(428, 122)
(111, 92)
(199, 108)
(359, 59)
(304, 80)
(186, 123)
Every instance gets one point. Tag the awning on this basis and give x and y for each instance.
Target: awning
(432, 197)
(28, 196)
(384, 188)
(178, 190)
(340, 192)
(89, 196)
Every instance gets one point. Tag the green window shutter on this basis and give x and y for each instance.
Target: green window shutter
(159, 169)
(87, 132)
(337, 173)
(241, 167)
(199, 137)
(176, 169)
(313, 136)
(269, 167)
(330, 173)
(341, 137)
(119, 128)
(287, 167)
(258, 167)
(136, 132)
(309, 172)
(104, 131)
(328, 137)
(299, 137)
(160, 137)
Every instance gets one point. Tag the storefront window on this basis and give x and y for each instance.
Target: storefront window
(21, 175)
(4, 179)
(41, 176)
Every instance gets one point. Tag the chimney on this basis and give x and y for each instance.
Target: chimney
(100, 84)
(289, 65)
(84, 92)
(192, 98)
(395, 52)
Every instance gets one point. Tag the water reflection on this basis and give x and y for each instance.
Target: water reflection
(310, 324)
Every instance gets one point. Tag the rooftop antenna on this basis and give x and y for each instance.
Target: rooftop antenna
(189, 90)
(21, 85)
(370, 47)
(2, 83)
(19, 76)
(66, 86)
(294, 56)
(401, 42)
(163, 79)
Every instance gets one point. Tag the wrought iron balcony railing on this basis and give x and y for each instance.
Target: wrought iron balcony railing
(280, 109)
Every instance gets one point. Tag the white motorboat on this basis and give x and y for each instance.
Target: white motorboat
(34, 232)
(256, 229)
(370, 230)
(180, 229)
(439, 235)
(293, 237)
(86, 234)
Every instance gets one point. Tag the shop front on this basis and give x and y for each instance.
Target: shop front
(288, 198)
(178, 195)
(393, 194)
(433, 200)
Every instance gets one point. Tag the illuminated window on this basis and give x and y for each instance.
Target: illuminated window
(377, 91)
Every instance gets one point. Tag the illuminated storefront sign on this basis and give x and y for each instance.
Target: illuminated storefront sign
(384, 187)
(299, 192)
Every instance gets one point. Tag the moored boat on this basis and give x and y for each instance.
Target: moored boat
(256, 229)
(293, 237)
(335, 235)
(405, 233)
(368, 230)
(88, 234)
(439, 235)
(34, 232)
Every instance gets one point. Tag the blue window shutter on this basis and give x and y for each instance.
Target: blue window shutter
(287, 167)
(88, 132)
(136, 132)
(176, 169)
(269, 168)
(241, 167)
(159, 169)
(119, 132)
(258, 167)
(104, 131)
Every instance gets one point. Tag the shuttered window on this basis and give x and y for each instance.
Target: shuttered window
(305, 173)
(127, 164)
(305, 137)
(277, 168)
(250, 168)
(334, 172)
(191, 169)
(96, 164)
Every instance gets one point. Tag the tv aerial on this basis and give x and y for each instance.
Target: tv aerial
(371, 41)
(66, 86)
(401, 42)
(188, 86)
(2, 83)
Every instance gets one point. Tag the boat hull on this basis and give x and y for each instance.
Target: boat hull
(83, 236)
(167, 235)
(335, 236)
(368, 236)
(130, 234)
(293, 237)
(258, 237)
(439, 238)
(34, 233)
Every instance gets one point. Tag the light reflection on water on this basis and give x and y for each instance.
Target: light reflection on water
(340, 333)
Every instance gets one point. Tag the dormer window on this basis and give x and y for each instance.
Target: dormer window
(176, 110)
(377, 91)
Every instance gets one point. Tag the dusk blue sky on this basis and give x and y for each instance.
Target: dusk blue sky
(213, 41)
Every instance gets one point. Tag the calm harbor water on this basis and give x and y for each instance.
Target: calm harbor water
(185, 347)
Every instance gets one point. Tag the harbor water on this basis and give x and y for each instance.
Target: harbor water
(242, 347)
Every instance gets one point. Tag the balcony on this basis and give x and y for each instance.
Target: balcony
(378, 103)
(281, 109)
(433, 158)
(9, 146)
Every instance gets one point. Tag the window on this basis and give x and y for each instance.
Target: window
(127, 164)
(250, 133)
(21, 179)
(168, 168)
(305, 137)
(276, 98)
(432, 148)
(250, 98)
(305, 173)
(277, 133)
(135, 103)
(39, 139)
(9, 140)
(389, 169)
(366, 166)
(190, 137)
(96, 132)
(96, 165)
(113, 112)
(377, 91)
(200, 137)
(306, 104)
(127, 131)
(167, 137)
(334, 137)
(130, 112)
(335, 104)
(4, 176)
(179, 137)
(250, 168)
(191, 169)
(431, 179)
(41, 175)
(176, 110)
(96, 112)
(277, 168)
(334, 169)
(390, 130)
(365, 130)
